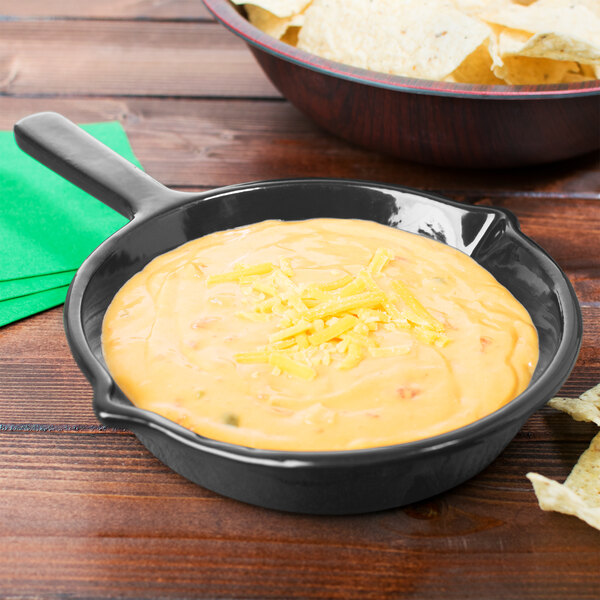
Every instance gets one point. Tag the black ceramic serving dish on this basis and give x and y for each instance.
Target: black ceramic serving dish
(310, 482)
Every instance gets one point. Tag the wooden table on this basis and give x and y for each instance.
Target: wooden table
(87, 512)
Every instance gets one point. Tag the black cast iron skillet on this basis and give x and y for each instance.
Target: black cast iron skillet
(310, 482)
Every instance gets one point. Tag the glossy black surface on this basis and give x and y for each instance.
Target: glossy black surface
(312, 482)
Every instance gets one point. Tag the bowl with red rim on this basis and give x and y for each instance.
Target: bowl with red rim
(433, 122)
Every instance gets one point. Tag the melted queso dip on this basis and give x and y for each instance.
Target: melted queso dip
(324, 334)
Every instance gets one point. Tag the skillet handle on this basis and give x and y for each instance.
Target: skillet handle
(74, 154)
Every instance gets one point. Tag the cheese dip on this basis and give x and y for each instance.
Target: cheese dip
(324, 334)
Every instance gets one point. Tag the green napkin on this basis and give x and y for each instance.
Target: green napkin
(14, 288)
(25, 306)
(47, 225)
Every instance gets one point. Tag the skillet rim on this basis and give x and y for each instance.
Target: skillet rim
(517, 410)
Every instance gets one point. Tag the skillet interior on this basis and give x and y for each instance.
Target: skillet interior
(490, 236)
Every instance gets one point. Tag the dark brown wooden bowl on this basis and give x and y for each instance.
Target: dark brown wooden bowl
(448, 124)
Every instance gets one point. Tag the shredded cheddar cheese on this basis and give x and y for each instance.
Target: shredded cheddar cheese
(241, 273)
(288, 365)
(286, 267)
(380, 258)
(334, 330)
(335, 321)
(416, 312)
(288, 332)
(333, 285)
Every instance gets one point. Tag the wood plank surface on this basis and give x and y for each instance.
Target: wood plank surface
(87, 512)
(210, 143)
(107, 9)
(126, 58)
(116, 490)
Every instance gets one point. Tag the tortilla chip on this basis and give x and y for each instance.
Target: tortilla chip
(584, 479)
(584, 408)
(476, 68)
(509, 64)
(427, 39)
(291, 36)
(591, 71)
(580, 494)
(279, 8)
(270, 23)
(449, 40)
(472, 7)
(554, 496)
(591, 5)
(523, 70)
(559, 47)
(566, 31)
(576, 77)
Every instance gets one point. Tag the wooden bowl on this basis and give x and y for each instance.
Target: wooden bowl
(434, 122)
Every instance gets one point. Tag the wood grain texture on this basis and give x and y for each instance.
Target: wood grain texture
(87, 512)
(107, 9)
(126, 58)
(128, 510)
(210, 143)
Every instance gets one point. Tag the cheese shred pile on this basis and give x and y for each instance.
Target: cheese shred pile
(328, 323)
